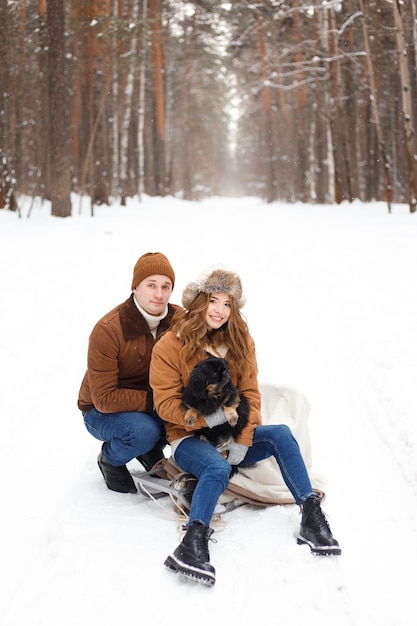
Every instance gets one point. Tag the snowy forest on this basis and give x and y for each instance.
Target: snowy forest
(309, 101)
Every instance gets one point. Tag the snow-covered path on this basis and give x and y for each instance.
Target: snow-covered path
(351, 335)
(332, 305)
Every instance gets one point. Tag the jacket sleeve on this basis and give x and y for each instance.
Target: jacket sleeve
(103, 376)
(167, 381)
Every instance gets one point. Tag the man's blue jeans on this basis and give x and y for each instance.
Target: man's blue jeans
(126, 434)
(201, 459)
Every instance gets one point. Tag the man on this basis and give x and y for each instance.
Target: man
(115, 397)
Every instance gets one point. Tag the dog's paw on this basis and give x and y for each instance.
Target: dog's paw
(231, 415)
(190, 417)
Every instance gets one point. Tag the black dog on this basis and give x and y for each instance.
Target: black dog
(208, 389)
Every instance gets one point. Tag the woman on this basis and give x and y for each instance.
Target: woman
(211, 325)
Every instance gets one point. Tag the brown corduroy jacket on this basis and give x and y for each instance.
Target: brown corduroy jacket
(119, 353)
(168, 377)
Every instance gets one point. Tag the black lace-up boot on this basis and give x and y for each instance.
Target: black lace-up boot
(117, 478)
(191, 558)
(315, 530)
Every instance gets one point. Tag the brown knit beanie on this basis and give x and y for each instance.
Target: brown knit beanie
(215, 281)
(149, 264)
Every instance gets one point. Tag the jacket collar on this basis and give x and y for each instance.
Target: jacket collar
(133, 323)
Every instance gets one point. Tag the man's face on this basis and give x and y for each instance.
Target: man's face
(153, 293)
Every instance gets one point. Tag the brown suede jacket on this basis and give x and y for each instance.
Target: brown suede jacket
(168, 377)
(119, 353)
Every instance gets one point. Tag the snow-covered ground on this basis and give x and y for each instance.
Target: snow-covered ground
(332, 305)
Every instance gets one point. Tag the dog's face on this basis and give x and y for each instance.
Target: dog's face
(211, 376)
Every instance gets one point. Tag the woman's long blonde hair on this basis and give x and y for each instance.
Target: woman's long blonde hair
(191, 329)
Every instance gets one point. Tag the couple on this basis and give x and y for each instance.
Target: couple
(140, 357)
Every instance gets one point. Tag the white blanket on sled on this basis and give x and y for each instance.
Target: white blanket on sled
(280, 405)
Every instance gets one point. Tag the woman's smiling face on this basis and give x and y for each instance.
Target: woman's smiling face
(218, 310)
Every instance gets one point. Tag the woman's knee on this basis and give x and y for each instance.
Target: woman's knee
(200, 461)
(219, 467)
(280, 435)
(285, 431)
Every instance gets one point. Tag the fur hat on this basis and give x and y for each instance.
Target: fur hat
(149, 264)
(215, 281)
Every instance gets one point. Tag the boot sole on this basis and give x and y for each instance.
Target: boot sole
(193, 573)
(320, 550)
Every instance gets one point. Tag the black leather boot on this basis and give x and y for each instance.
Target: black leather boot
(191, 558)
(152, 457)
(315, 530)
(117, 478)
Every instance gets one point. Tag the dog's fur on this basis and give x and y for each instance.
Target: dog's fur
(208, 389)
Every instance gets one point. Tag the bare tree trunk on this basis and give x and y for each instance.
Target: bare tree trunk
(141, 113)
(341, 155)
(185, 154)
(414, 14)
(43, 182)
(91, 139)
(312, 162)
(375, 111)
(59, 137)
(267, 114)
(407, 111)
(4, 106)
(127, 94)
(330, 148)
(158, 72)
(302, 96)
(330, 154)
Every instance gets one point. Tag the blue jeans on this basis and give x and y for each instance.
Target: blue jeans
(127, 434)
(201, 459)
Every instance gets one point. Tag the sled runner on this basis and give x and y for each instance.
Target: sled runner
(167, 479)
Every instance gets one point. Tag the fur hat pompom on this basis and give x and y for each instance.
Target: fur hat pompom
(218, 280)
